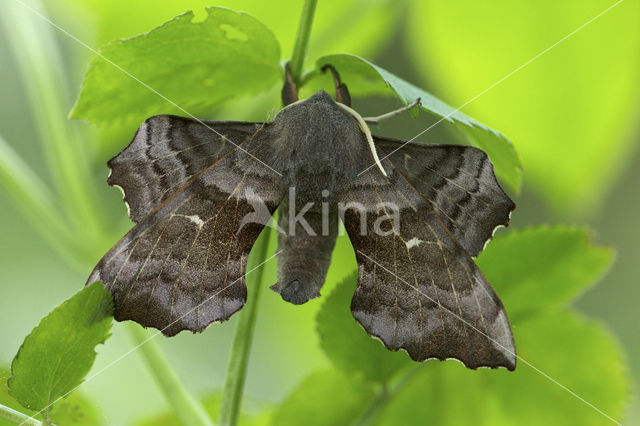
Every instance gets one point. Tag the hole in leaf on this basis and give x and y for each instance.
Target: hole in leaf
(199, 15)
(232, 33)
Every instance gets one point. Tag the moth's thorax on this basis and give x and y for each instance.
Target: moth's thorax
(318, 139)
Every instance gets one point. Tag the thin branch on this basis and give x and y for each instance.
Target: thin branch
(302, 39)
(17, 417)
(242, 339)
(243, 334)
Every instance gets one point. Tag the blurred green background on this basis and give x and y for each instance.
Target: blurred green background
(572, 114)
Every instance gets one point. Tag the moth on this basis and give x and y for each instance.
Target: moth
(200, 193)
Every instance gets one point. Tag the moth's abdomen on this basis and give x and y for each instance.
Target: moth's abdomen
(307, 235)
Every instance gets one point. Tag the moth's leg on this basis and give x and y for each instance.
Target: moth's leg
(289, 90)
(376, 120)
(342, 93)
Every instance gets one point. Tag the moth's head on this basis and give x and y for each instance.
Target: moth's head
(320, 97)
(319, 106)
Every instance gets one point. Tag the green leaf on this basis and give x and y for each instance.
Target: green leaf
(346, 343)
(365, 26)
(75, 410)
(364, 78)
(196, 65)
(574, 352)
(536, 271)
(571, 111)
(326, 397)
(60, 351)
(542, 268)
(7, 400)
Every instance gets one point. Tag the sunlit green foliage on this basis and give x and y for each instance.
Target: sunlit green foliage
(326, 397)
(364, 78)
(550, 338)
(228, 54)
(347, 345)
(59, 352)
(75, 410)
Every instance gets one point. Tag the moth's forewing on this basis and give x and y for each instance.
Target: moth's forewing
(188, 187)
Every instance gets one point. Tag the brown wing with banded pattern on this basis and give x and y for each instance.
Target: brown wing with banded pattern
(166, 152)
(418, 288)
(182, 266)
(459, 183)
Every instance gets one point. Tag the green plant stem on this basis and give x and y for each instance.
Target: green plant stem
(243, 333)
(302, 40)
(386, 394)
(242, 339)
(17, 417)
(40, 61)
(186, 407)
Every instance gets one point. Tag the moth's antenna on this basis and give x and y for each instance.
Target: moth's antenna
(367, 133)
